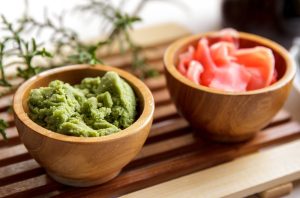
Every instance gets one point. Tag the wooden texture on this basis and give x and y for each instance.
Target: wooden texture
(223, 116)
(243, 177)
(278, 191)
(172, 149)
(75, 160)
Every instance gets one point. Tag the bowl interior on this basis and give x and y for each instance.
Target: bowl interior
(245, 41)
(74, 75)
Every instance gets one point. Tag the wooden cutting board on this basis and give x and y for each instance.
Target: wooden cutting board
(243, 177)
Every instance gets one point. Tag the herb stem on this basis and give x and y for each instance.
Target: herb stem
(3, 81)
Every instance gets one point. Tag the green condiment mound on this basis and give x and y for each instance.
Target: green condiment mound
(95, 107)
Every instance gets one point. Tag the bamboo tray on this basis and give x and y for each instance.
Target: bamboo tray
(171, 150)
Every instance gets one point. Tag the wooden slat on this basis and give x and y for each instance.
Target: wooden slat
(168, 145)
(12, 138)
(30, 187)
(5, 102)
(164, 112)
(161, 96)
(7, 116)
(152, 54)
(15, 159)
(16, 168)
(278, 191)
(167, 126)
(11, 132)
(156, 83)
(281, 117)
(273, 135)
(157, 65)
(171, 148)
(19, 171)
(12, 151)
(9, 90)
(243, 177)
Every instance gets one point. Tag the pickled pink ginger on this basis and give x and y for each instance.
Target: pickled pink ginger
(224, 66)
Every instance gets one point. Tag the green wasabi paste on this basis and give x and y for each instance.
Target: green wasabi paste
(93, 108)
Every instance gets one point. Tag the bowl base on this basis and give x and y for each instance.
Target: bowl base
(228, 138)
(81, 182)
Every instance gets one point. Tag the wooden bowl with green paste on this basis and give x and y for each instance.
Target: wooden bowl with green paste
(83, 123)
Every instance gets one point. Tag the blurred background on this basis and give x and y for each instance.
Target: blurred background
(193, 14)
(276, 19)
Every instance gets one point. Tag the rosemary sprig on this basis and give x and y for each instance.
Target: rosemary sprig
(29, 53)
(3, 80)
(121, 24)
(25, 50)
(3, 126)
(65, 37)
(87, 53)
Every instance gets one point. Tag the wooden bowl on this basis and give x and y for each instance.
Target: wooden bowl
(226, 116)
(82, 161)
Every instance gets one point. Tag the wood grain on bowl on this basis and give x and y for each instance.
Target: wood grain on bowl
(82, 161)
(228, 116)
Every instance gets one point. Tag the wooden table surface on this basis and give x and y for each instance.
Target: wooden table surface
(174, 162)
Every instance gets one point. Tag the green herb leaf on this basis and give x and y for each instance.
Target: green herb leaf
(43, 53)
(3, 126)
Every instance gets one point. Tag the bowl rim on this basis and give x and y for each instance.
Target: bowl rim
(177, 45)
(295, 51)
(145, 117)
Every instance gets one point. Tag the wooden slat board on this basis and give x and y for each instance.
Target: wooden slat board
(173, 148)
(243, 177)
